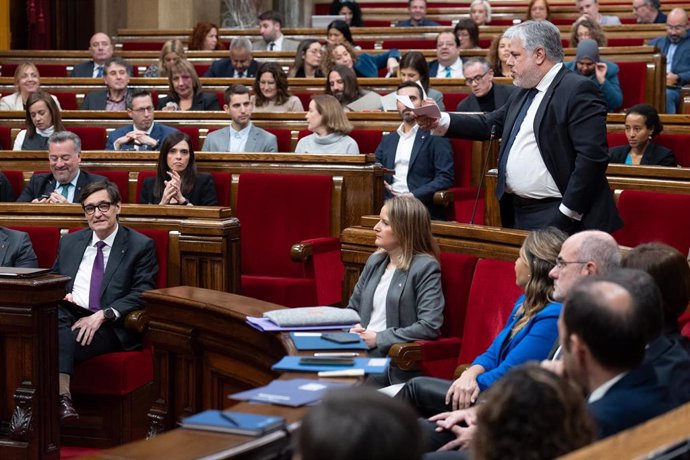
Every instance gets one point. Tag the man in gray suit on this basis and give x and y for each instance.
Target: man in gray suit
(270, 24)
(16, 249)
(241, 135)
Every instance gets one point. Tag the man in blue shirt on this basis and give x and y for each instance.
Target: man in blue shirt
(676, 47)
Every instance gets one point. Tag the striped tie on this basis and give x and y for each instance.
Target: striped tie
(448, 74)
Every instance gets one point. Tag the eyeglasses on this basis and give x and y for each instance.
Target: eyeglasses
(143, 109)
(103, 206)
(561, 264)
(477, 79)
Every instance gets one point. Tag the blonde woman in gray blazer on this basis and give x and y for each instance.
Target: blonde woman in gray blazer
(399, 296)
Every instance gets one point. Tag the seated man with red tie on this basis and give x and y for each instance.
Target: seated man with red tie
(109, 266)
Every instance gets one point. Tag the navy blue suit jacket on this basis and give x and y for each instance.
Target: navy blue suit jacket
(430, 169)
(572, 105)
(634, 399)
(681, 58)
(222, 68)
(131, 270)
(159, 132)
(44, 184)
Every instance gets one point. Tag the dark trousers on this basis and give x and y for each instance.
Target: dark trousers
(527, 213)
(426, 394)
(71, 353)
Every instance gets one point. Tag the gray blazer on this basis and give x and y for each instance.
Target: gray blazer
(16, 249)
(414, 302)
(259, 141)
(288, 45)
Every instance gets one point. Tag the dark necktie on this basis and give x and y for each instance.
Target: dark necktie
(99, 71)
(448, 73)
(503, 161)
(97, 273)
(271, 46)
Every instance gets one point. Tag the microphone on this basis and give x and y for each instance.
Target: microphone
(492, 138)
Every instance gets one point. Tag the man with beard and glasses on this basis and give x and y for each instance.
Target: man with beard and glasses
(423, 163)
(553, 156)
(676, 47)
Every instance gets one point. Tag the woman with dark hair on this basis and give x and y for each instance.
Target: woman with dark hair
(338, 32)
(407, 256)
(42, 119)
(204, 37)
(271, 91)
(176, 180)
(307, 60)
(538, 10)
(499, 51)
(529, 333)
(642, 124)
(349, 10)
(413, 67)
(532, 413)
(184, 90)
(468, 34)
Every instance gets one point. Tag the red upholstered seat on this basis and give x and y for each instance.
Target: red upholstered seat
(677, 142)
(68, 101)
(142, 46)
(451, 100)
(44, 70)
(410, 44)
(284, 137)
(201, 70)
(193, 133)
(16, 180)
(5, 138)
(633, 77)
(439, 357)
(492, 297)
(92, 137)
(305, 99)
(277, 211)
(464, 194)
(45, 241)
(119, 178)
(367, 139)
(114, 373)
(653, 216)
(625, 41)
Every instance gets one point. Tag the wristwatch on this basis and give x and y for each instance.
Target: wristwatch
(109, 314)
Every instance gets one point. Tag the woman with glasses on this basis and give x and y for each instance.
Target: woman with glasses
(307, 60)
(185, 91)
(177, 180)
(271, 91)
(529, 334)
(42, 119)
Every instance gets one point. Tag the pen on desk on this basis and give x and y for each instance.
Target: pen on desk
(229, 418)
(338, 355)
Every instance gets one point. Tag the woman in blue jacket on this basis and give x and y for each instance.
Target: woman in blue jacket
(529, 334)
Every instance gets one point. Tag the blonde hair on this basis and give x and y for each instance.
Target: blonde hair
(21, 68)
(328, 61)
(332, 114)
(182, 66)
(171, 46)
(411, 224)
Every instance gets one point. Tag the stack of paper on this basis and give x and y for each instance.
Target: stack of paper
(368, 365)
(266, 325)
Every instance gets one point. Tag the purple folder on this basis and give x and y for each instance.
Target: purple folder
(266, 325)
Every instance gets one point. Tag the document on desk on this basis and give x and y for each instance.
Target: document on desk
(293, 393)
(233, 422)
(266, 325)
(305, 341)
(369, 365)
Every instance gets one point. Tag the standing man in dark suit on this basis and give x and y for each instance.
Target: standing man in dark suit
(110, 266)
(486, 95)
(101, 49)
(553, 156)
(65, 181)
(423, 163)
(16, 249)
(240, 64)
(143, 133)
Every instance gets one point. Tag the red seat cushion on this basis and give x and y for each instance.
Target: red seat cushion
(16, 180)
(68, 101)
(288, 292)
(451, 100)
(92, 137)
(367, 139)
(142, 46)
(119, 178)
(193, 133)
(114, 373)
(633, 77)
(5, 138)
(221, 181)
(410, 44)
(284, 137)
(45, 241)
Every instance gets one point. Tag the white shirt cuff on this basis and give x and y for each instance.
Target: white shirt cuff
(570, 213)
(443, 125)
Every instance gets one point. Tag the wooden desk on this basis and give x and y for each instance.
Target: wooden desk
(29, 425)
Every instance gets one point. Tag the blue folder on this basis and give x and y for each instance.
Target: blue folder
(369, 365)
(313, 341)
(294, 392)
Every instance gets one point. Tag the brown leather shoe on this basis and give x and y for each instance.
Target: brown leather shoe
(66, 408)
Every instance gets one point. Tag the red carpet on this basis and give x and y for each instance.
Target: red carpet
(75, 452)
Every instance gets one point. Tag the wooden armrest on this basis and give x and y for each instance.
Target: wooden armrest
(301, 252)
(444, 198)
(406, 356)
(459, 370)
(137, 320)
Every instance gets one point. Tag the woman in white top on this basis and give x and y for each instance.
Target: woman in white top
(42, 119)
(398, 295)
(27, 81)
(271, 91)
(327, 120)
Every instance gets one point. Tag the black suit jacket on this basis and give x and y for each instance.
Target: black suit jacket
(95, 100)
(83, 70)
(654, 155)
(570, 129)
(634, 399)
(6, 191)
(203, 193)
(44, 184)
(501, 95)
(202, 101)
(131, 270)
(16, 249)
(223, 68)
(430, 168)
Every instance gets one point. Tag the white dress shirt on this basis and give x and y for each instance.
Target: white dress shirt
(600, 392)
(402, 158)
(455, 70)
(238, 139)
(377, 322)
(82, 282)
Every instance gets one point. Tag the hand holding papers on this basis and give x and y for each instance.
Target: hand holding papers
(426, 110)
